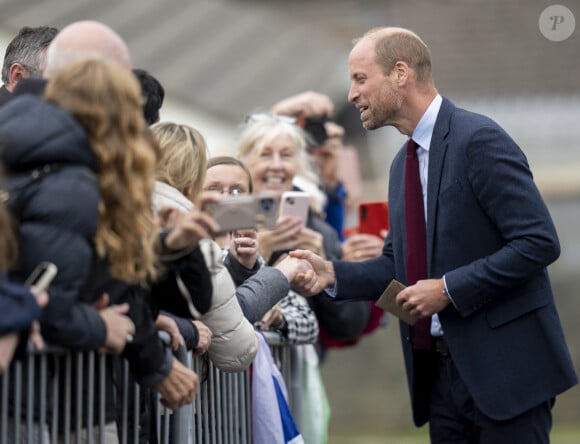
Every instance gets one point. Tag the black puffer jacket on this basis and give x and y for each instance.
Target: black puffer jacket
(57, 213)
(58, 216)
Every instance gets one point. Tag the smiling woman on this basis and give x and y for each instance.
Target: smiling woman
(274, 150)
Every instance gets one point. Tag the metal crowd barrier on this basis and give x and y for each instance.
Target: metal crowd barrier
(51, 396)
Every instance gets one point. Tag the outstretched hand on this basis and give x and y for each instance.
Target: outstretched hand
(186, 228)
(322, 273)
(293, 267)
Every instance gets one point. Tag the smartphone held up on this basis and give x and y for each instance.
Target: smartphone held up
(246, 211)
(373, 218)
(295, 204)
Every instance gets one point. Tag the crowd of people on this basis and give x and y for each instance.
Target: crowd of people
(96, 182)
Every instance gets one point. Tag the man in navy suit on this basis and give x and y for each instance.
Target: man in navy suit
(496, 356)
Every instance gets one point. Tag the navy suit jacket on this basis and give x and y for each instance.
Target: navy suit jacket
(491, 235)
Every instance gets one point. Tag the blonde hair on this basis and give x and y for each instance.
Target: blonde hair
(105, 99)
(258, 134)
(183, 157)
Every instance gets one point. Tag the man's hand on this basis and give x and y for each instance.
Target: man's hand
(179, 388)
(424, 299)
(205, 336)
(322, 278)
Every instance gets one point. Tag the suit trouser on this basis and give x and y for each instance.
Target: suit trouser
(454, 417)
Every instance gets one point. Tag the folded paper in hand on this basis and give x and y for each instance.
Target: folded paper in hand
(388, 302)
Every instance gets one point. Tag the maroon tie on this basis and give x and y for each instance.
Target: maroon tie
(416, 240)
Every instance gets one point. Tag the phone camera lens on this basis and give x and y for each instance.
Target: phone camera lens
(267, 204)
(290, 200)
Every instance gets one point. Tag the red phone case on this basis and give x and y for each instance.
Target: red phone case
(373, 218)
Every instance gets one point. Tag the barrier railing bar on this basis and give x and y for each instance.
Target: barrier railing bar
(4, 404)
(221, 413)
(43, 391)
(91, 396)
(17, 403)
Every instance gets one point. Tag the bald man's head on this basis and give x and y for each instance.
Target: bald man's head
(85, 39)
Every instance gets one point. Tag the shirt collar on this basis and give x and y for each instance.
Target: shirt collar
(424, 130)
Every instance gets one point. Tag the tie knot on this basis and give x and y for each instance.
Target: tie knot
(412, 147)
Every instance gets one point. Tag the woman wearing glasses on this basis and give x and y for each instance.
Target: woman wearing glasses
(292, 316)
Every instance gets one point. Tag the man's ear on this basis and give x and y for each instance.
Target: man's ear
(401, 71)
(16, 72)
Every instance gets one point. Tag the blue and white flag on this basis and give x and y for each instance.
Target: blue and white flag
(272, 421)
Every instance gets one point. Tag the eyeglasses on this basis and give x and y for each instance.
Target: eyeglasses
(234, 190)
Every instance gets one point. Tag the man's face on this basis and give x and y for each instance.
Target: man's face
(374, 93)
(326, 159)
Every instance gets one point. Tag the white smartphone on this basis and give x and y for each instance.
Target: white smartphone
(295, 204)
(245, 211)
(42, 276)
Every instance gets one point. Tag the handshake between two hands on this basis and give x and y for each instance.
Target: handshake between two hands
(307, 272)
(312, 274)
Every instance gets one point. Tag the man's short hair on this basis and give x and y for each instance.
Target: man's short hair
(153, 95)
(28, 49)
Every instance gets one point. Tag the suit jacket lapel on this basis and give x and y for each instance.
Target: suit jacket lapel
(437, 152)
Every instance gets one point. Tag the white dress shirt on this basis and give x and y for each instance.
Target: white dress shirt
(422, 136)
